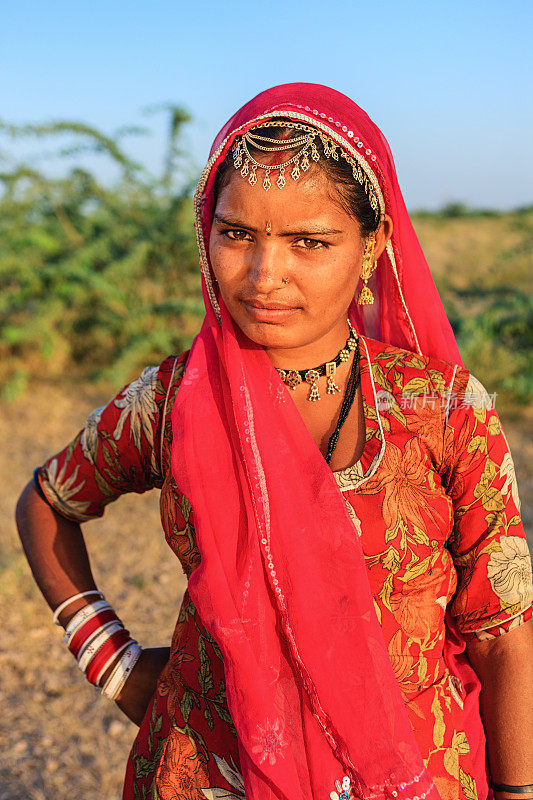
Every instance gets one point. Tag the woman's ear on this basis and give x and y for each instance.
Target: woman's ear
(383, 234)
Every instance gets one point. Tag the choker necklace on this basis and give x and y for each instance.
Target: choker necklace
(294, 377)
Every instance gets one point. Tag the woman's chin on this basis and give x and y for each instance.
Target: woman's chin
(271, 336)
(283, 332)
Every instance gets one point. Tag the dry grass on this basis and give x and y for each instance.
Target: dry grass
(484, 251)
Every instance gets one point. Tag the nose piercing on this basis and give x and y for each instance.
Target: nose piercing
(284, 280)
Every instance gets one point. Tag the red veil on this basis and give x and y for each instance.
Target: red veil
(282, 584)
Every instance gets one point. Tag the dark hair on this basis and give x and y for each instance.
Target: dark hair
(349, 191)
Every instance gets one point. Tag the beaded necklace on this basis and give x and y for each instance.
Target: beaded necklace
(347, 402)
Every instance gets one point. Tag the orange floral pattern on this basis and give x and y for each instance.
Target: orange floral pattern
(435, 505)
(183, 770)
(403, 480)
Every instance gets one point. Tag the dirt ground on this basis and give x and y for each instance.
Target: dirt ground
(59, 740)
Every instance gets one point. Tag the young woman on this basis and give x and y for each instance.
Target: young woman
(337, 487)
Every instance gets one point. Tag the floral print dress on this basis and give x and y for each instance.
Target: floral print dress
(434, 501)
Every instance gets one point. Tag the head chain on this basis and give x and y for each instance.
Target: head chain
(244, 161)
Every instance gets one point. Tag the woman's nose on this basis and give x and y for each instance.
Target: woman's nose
(265, 269)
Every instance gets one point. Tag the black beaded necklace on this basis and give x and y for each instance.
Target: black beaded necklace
(293, 377)
(347, 402)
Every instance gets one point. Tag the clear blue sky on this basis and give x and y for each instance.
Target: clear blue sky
(449, 82)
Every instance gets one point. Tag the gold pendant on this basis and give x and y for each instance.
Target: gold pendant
(312, 377)
(366, 298)
(331, 369)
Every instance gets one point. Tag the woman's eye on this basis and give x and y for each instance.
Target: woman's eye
(236, 234)
(310, 244)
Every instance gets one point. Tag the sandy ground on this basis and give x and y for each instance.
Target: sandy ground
(59, 740)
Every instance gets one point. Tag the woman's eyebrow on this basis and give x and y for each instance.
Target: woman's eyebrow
(304, 231)
(233, 222)
(308, 232)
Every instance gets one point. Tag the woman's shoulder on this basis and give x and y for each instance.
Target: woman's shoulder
(168, 380)
(118, 449)
(404, 365)
(154, 387)
(383, 351)
(151, 397)
(409, 374)
(168, 376)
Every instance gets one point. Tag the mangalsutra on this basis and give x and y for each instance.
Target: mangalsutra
(294, 377)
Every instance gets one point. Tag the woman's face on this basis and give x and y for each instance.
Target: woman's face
(287, 262)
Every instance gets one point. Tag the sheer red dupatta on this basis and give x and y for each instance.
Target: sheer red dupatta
(282, 585)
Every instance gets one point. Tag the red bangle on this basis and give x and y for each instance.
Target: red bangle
(92, 625)
(104, 653)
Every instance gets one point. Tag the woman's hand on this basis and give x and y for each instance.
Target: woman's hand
(140, 686)
(505, 668)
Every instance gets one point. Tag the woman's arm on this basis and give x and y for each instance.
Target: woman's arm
(490, 553)
(56, 552)
(58, 559)
(505, 668)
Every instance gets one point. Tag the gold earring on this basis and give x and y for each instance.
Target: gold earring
(366, 298)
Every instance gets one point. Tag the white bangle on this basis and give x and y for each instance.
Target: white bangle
(121, 672)
(110, 661)
(95, 642)
(84, 614)
(70, 600)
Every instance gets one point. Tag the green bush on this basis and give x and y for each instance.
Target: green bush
(497, 342)
(95, 281)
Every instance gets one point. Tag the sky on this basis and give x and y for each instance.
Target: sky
(449, 82)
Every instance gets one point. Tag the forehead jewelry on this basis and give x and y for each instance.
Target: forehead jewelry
(294, 377)
(305, 142)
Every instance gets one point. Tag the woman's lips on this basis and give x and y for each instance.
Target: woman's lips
(268, 312)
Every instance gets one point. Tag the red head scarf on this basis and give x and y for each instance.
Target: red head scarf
(282, 584)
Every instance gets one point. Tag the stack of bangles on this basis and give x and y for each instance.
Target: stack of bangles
(96, 637)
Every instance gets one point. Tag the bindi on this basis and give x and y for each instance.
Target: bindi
(268, 228)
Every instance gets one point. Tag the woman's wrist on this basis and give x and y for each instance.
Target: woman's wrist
(121, 670)
(506, 791)
(139, 689)
(72, 609)
(506, 795)
(97, 639)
